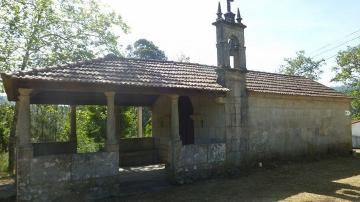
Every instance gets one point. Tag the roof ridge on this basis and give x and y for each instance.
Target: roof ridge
(279, 74)
(169, 61)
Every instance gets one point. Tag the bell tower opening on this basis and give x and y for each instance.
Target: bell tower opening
(232, 63)
(233, 44)
(230, 39)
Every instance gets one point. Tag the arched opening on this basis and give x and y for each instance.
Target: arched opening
(233, 44)
(186, 124)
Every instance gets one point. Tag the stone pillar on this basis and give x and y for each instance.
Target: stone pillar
(111, 144)
(73, 137)
(24, 150)
(23, 123)
(118, 131)
(175, 136)
(139, 121)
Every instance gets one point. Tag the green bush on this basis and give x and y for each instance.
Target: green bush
(4, 156)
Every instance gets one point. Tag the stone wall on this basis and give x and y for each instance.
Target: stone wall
(208, 153)
(136, 144)
(137, 152)
(262, 126)
(209, 120)
(54, 176)
(282, 126)
(254, 127)
(161, 127)
(198, 160)
(209, 123)
(53, 148)
(236, 106)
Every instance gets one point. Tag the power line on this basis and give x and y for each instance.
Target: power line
(339, 40)
(327, 50)
(331, 57)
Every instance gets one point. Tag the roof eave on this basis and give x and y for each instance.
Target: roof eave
(84, 86)
(309, 96)
(9, 83)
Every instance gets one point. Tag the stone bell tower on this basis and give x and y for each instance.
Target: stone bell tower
(230, 41)
(232, 74)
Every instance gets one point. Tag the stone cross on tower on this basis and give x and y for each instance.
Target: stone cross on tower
(229, 5)
(229, 16)
(230, 40)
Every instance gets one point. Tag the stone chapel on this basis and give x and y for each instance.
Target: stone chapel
(205, 118)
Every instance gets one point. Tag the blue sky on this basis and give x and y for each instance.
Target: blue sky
(276, 28)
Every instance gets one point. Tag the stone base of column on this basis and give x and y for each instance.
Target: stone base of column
(111, 147)
(24, 154)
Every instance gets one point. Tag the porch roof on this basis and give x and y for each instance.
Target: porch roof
(136, 79)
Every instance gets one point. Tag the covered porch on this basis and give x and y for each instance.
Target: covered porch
(57, 168)
(47, 171)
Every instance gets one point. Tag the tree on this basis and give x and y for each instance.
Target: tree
(49, 32)
(141, 49)
(302, 66)
(348, 72)
(183, 58)
(145, 49)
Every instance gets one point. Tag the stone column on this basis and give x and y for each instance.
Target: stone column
(24, 150)
(23, 121)
(111, 144)
(73, 137)
(175, 137)
(139, 119)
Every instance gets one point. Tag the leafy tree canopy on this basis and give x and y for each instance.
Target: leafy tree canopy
(348, 72)
(39, 33)
(145, 49)
(48, 32)
(183, 58)
(302, 65)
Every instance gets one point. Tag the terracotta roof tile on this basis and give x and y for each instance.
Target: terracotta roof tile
(287, 85)
(168, 74)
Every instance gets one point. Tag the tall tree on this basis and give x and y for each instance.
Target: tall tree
(49, 32)
(145, 49)
(348, 72)
(141, 49)
(302, 65)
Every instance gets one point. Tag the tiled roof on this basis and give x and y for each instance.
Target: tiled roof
(287, 85)
(132, 72)
(167, 74)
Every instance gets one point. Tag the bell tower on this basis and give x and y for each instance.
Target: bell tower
(230, 42)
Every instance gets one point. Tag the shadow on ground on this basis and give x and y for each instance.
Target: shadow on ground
(335, 179)
(332, 179)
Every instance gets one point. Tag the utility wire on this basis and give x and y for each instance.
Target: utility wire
(333, 48)
(331, 57)
(336, 41)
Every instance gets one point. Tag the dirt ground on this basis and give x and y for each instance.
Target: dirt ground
(332, 179)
